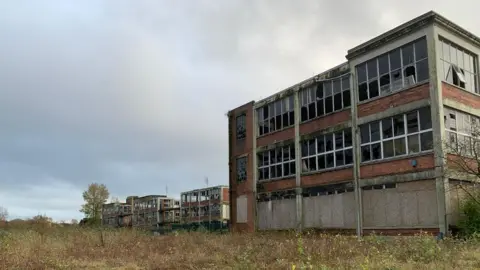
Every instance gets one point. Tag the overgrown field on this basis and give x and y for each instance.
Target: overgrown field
(76, 248)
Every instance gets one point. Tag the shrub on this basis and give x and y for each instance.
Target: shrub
(470, 208)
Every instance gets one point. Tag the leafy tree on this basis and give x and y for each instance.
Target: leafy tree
(95, 196)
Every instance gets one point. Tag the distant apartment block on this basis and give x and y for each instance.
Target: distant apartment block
(116, 214)
(360, 147)
(205, 205)
(153, 211)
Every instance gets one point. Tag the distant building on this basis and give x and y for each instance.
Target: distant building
(116, 214)
(206, 206)
(153, 211)
(359, 147)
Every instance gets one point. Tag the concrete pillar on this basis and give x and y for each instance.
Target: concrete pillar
(298, 159)
(254, 171)
(356, 153)
(438, 126)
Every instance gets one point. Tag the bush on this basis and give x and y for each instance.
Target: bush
(470, 222)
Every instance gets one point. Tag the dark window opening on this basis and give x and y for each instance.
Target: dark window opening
(330, 160)
(328, 105)
(346, 98)
(241, 130)
(363, 91)
(311, 111)
(373, 88)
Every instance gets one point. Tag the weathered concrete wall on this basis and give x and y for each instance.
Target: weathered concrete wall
(331, 211)
(410, 204)
(277, 214)
(226, 211)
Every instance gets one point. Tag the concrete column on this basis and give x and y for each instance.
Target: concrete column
(438, 126)
(298, 159)
(254, 169)
(356, 153)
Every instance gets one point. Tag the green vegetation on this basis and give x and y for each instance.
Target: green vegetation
(73, 247)
(95, 196)
(470, 222)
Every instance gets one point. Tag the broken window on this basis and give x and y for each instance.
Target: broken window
(327, 151)
(395, 70)
(325, 97)
(459, 66)
(276, 116)
(328, 190)
(461, 131)
(276, 163)
(401, 134)
(241, 169)
(241, 130)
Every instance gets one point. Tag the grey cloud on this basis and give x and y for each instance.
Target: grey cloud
(134, 93)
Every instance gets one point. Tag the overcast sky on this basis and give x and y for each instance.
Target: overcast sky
(134, 94)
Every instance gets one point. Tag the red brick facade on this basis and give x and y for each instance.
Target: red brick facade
(325, 122)
(276, 136)
(402, 97)
(397, 166)
(459, 95)
(330, 177)
(243, 147)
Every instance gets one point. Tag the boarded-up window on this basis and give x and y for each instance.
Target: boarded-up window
(242, 209)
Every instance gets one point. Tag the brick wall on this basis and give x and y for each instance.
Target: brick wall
(400, 98)
(226, 195)
(325, 122)
(238, 148)
(276, 136)
(330, 177)
(461, 96)
(398, 166)
(277, 185)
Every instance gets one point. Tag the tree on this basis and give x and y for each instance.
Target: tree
(3, 214)
(95, 196)
(74, 221)
(462, 158)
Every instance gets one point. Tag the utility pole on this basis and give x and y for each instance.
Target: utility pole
(209, 206)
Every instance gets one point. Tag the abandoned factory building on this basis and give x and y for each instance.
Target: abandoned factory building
(360, 147)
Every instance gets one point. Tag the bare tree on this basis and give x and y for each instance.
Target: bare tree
(462, 155)
(3, 213)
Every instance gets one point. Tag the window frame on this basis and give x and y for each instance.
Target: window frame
(402, 68)
(241, 175)
(317, 154)
(272, 166)
(462, 119)
(241, 126)
(287, 108)
(310, 98)
(458, 65)
(406, 135)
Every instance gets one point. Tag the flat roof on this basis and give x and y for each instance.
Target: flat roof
(341, 69)
(201, 189)
(410, 26)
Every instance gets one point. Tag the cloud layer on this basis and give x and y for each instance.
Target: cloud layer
(134, 94)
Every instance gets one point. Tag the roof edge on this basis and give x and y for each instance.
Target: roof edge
(301, 84)
(419, 22)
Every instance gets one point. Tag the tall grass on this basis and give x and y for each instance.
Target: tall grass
(76, 248)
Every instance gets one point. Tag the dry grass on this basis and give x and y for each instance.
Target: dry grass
(75, 248)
